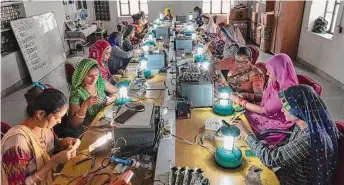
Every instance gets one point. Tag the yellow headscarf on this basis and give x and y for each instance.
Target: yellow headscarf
(165, 11)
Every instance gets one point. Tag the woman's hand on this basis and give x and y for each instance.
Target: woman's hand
(109, 100)
(92, 100)
(234, 98)
(64, 155)
(244, 131)
(67, 142)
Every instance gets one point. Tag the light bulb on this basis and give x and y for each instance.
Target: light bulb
(143, 64)
(224, 95)
(193, 36)
(123, 92)
(189, 27)
(150, 36)
(224, 102)
(161, 16)
(205, 65)
(200, 51)
(145, 48)
(228, 143)
(190, 17)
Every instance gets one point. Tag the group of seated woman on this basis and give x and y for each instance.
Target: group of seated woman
(308, 156)
(279, 102)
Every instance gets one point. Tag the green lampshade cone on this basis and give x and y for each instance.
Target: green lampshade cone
(232, 131)
(147, 73)
(225, 90)
(188, 32)
(121, 101)
(224, 110)
(123, 83)
(198, 58)
(228, 159)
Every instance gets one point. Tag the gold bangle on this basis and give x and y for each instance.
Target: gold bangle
(81, 117)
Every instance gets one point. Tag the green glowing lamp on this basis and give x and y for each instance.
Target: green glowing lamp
(223, 106)
(123, 87)
(143, 68)
(189, 30)
(199, 55)
(228, 155)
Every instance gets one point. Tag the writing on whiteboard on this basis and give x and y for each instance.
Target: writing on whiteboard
(40, 43)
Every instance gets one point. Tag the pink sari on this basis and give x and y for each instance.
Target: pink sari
(282, 68)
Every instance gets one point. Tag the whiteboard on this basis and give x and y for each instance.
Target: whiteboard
(40, 43)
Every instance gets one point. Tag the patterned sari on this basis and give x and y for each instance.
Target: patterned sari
(96, 52)
(23, 154)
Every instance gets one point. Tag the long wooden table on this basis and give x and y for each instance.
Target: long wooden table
(70, 171)
(196, 156)
(185, 154)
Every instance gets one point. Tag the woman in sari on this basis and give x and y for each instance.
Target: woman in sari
(199, 12)
(227, 43)
(119, 59)
(268, 114)
(88, 96)
(28, 147)
(208, 27)
(128, 35)
(242, 76)
(311, 154)
(101, 52)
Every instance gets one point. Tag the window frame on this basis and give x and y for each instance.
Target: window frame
(211, 6)
(129, 9)
(332, 24)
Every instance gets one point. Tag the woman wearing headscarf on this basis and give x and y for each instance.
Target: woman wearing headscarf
(167, 14)
(227, 43)
(27, 150)
(242, 76)
(119, 59)
(208, 27)
(128, 35)
(198, 11)
(101, 51)
(311, 154)
(87, 95)
(139, 31)
(268, 114)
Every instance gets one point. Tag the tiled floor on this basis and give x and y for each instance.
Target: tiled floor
(13, 106)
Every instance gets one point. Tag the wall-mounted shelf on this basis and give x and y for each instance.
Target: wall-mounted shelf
(9, 3)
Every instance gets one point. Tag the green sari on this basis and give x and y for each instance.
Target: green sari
(80, 95)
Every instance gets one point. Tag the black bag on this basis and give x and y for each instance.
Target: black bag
(320, 25)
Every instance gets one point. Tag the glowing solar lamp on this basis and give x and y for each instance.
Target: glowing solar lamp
(123, 98)
(143, 68)
(161, 16)
(151, 40)
(199, 55)
(190, 16)
(158, 22)
(193, 36)
(228, 155)
(100, 144)
(205, 65)
(223, 106)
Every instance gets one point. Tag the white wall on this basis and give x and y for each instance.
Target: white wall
(324, 54)
(154, 8)
(40, 7)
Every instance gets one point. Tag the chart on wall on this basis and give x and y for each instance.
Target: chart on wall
(40, 43)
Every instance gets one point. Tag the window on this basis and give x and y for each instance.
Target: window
(330, 14)
(216, 6)
(131, 7)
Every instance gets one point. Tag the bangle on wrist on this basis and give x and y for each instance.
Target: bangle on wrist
(37, 177)
(244, 104)
(81, 117)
